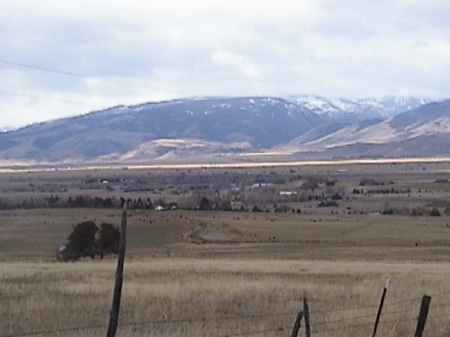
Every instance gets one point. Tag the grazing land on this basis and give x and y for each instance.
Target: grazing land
(230, 251)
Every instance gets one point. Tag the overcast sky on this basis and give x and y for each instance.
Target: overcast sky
(63, 58)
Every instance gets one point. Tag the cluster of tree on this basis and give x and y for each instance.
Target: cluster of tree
(336, 196)
(421, 211)
(415, 211)
(389, 191)
(285, 209)
(313, 183)
(89, 240)
(82, 201)
(328, 203)
(373, 182)
(310, 184)
(442, 181)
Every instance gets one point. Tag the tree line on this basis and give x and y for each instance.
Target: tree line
(81, 201)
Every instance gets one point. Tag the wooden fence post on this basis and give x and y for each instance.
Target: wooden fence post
(381, 307)
(115, 307)
(425, 305)
(297, 324)
(306, 311)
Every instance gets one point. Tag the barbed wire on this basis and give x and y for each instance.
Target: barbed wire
(324, 323)
(343, 328)
(207, 319)
(149, 322)
(50, 331)
(249, 333)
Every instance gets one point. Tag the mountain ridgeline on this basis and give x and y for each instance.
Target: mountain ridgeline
(208, 128)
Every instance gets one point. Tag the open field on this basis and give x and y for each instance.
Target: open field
(225, 297)
(36, 234)
(232, 273)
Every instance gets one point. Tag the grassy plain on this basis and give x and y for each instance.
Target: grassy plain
(211, 273)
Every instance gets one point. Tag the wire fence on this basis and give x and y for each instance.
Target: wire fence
(398, 319)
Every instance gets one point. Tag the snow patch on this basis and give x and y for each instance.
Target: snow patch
(366, 108)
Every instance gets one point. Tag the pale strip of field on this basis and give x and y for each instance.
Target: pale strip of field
(26, 167)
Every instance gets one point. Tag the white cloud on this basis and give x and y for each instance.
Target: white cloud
(133, 51)
(238, 62)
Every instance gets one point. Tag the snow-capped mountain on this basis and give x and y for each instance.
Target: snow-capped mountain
(210, 127)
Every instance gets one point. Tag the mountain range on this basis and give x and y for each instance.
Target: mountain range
(224, 128)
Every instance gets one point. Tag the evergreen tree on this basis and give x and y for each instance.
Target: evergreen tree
(82, 241)
(108, 239)
(205, 204)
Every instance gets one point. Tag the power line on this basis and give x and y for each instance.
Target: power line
(28, 66)
(73, 74)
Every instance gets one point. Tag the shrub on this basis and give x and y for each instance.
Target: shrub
(256, 209)
(435, 212)
(328, 203)
(205, 204)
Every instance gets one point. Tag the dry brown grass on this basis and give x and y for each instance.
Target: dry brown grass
(205, 297)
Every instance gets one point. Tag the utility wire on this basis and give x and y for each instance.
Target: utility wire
(50, 70)
(69, 73)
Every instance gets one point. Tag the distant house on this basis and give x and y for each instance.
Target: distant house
(236, 205)
(286, 196)
(288, 193)
(257, 186)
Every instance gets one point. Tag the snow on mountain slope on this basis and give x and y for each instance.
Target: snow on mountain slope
(351, 110)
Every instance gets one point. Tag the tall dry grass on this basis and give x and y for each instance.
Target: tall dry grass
(220, 297)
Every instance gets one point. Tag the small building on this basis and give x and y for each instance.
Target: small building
(287, 193)
(236, 205)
